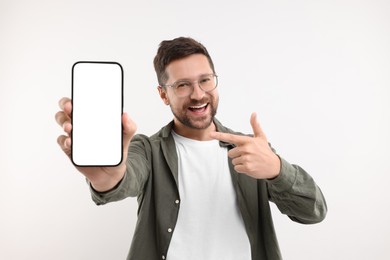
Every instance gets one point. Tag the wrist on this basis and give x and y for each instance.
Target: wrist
(106, 184)
(276, 169)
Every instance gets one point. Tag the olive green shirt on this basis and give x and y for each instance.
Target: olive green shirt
(152, 176)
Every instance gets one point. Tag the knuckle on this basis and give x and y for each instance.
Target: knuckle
(58, 116)
(238, 169)
(234, 161)
(62, 102)
(251, 169)
(233, 152)
(59, 140)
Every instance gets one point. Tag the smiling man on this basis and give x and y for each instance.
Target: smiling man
(192, 96)
(203, 190)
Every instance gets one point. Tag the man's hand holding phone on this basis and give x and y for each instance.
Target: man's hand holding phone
(102, 178)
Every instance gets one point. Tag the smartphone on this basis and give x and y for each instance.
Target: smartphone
(97, 107)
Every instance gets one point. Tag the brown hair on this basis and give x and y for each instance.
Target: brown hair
(175, 49)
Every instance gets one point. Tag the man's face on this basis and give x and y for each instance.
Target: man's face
(197, 110)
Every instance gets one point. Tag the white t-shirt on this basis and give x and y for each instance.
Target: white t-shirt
(209, 225)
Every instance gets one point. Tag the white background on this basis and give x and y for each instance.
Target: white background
(317, 73)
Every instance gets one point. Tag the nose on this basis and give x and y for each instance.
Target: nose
(197, 92)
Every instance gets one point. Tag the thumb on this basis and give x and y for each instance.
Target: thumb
(257, 131)
(129, 129)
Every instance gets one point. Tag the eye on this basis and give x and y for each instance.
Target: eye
(205, 80)
(183, 84)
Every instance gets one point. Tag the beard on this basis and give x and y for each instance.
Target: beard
(200, 122)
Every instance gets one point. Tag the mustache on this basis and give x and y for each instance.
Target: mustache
(194, 102)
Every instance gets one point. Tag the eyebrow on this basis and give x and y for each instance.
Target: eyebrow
(201, 75)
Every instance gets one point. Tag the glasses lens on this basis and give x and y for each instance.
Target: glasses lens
(208, 82)
(185, 88)
(182, 88)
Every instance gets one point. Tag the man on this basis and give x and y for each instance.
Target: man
(203, 190)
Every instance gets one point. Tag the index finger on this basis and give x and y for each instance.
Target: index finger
(65, 104)
(228, 138)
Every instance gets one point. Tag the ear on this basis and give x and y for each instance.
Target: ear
(163, 94)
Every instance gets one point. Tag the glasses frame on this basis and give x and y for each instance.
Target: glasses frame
(173, 85)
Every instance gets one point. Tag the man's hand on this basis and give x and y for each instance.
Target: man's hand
(252, 155)
(101, 178)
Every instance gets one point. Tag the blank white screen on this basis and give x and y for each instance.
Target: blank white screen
(97, 110)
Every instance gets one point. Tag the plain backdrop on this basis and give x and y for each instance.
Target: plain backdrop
(316, 72)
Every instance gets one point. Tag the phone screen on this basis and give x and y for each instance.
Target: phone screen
(97, 100)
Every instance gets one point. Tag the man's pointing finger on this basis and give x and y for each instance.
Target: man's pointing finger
(228, 138)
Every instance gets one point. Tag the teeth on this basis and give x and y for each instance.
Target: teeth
(197, 107)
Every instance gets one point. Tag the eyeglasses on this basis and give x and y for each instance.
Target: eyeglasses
(184, 88)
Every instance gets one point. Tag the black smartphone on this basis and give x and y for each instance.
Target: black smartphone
(97, 101)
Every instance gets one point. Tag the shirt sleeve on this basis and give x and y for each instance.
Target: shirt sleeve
(137, 172)
(297, 195)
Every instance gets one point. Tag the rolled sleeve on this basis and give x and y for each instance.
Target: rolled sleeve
(285, 179)
(101, 198)
(297, 195)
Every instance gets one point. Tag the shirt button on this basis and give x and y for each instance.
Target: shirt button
(169, 230)
(177, 201)
(163, 256)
